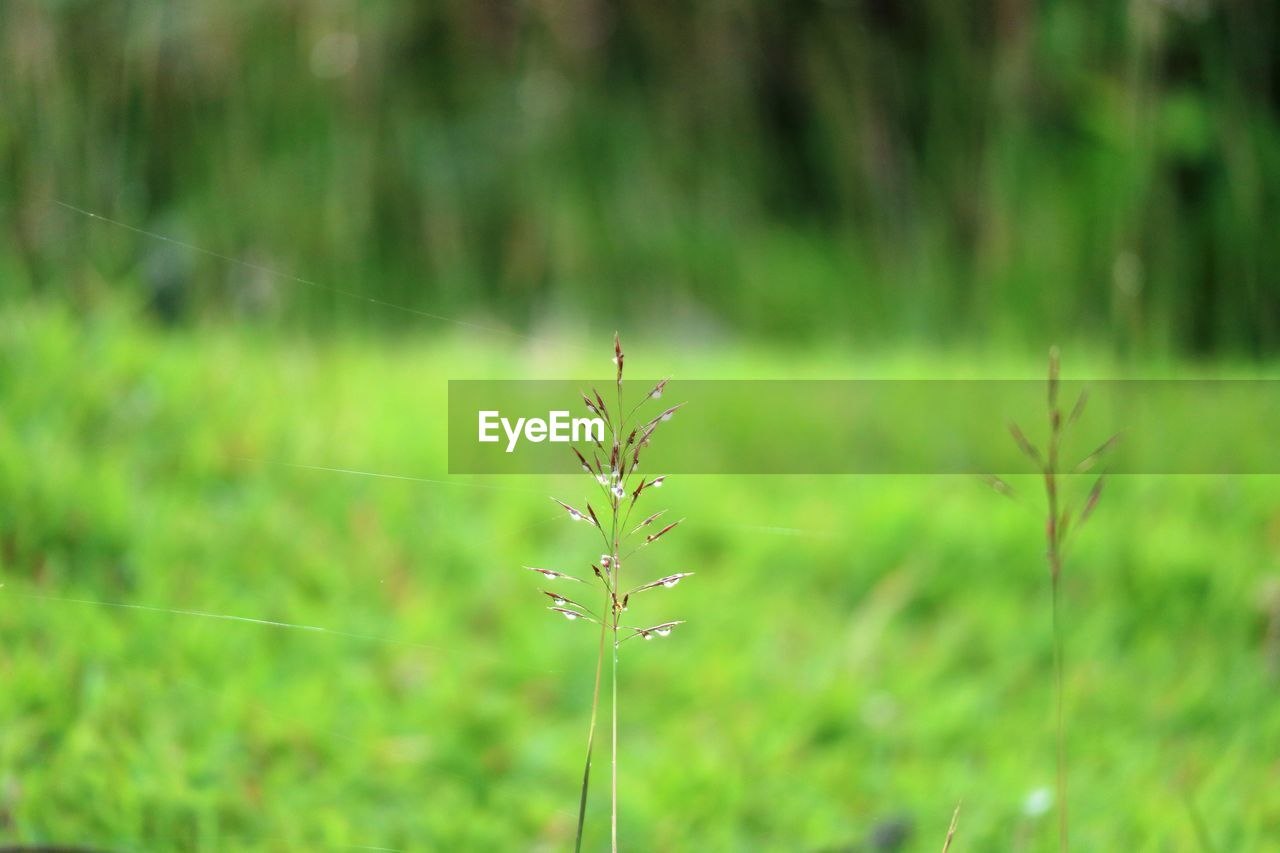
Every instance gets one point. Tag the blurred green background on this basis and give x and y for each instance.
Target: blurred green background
(866, 170)
(245, 417)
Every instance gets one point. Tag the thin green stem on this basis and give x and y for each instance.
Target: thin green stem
(1055, 535)
(614, 818)
(591, 734)
(1058, 666)
(616, 569)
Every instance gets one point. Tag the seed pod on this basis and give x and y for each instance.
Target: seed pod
(552, 574)
(561, 601)
(667, 582)
(998, 485)
(653, 537)
(1090, 460)
(648, 520)
(571, 615)
(1090, 502)
(604, 410)
(660, 630)
(1078, 409)
(1026, 446)
(665, 416)
(575, 515)
(1053, 379)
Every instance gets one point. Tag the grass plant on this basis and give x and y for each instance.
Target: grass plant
(613, 469)
(1061, 523)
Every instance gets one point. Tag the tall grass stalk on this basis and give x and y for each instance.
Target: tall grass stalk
(1060, 525)
(613, 470)
(591, 737)
(951, 830)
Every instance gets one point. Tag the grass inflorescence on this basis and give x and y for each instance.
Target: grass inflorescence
(613, 469)
(1061, 524)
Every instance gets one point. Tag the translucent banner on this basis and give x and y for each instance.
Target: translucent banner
(868, 426)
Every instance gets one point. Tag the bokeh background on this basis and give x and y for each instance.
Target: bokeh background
(244, 245)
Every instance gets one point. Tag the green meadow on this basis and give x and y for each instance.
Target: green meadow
(215, 635)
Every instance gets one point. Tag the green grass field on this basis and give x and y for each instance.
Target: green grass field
(861, 652)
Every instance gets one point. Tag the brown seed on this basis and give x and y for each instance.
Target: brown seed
(552, 574)
(571, 615)
(1026, 446)
(1053, 377)
(1091, 501)
(603, 410)
(655, 536)
(998, 485)
(1078, 409)
(648, 520)
(667, 582)
(1090, 460)
(573, 513)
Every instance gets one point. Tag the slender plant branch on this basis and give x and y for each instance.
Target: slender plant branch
(591, 735)
(614, 817)
(616, 567)
(1056, 534)
(951, 830)
(1058, 666)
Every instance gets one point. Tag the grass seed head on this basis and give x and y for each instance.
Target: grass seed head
(614, 483)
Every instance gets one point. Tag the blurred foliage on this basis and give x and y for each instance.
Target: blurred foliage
(861, 652)
(874, 170)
